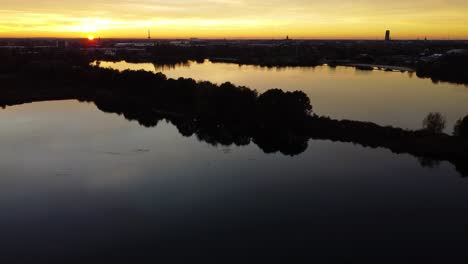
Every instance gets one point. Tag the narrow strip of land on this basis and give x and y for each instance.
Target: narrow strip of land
(381, 67)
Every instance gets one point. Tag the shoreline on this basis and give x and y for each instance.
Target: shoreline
(269, 131)
(359, 66)
(379, 67)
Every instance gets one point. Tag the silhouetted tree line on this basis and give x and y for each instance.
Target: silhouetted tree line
(199, 99)
(385, 52)
(308, 53)
(450, 68)
(221, 114)
(50, 64)
(219, 103)
(287, 54)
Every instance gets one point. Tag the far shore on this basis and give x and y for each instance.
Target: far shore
(367, 66)
(380, 67)
(362, 66)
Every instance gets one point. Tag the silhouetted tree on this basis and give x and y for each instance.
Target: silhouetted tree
(447, 68)
(434, 123)
(461, 128)
(276, 104)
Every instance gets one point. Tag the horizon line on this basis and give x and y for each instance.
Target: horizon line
(241, 38)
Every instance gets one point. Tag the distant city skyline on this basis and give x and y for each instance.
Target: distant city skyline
(333, 19)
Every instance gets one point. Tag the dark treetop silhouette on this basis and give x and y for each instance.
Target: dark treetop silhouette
(224, 114)
(461, 127)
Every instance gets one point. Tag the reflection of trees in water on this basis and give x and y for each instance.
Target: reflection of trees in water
(270, 140)
(278, 136)
(161, 66)
(428, 162)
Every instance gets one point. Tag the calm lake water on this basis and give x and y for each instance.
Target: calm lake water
(385, 98)
(77, 182)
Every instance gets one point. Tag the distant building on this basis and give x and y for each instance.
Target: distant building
(387, 35)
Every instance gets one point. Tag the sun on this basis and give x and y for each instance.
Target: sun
(91, 38)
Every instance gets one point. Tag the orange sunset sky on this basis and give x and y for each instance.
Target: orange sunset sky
(368, 19)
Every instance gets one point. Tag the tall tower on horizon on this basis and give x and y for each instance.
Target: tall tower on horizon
(387, 35)
(149, 34)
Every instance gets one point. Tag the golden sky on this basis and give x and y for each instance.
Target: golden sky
(235, 18)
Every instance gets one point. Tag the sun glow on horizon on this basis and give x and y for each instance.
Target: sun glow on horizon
(91, 37)
(253, 19)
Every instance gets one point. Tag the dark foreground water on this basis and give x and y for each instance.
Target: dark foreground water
(80, 185)
(386, 98)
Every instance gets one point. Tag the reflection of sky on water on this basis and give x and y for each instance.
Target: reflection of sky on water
(66, 139)
(72, 175)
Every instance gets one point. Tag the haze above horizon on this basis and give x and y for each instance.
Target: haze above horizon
(363, 19)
